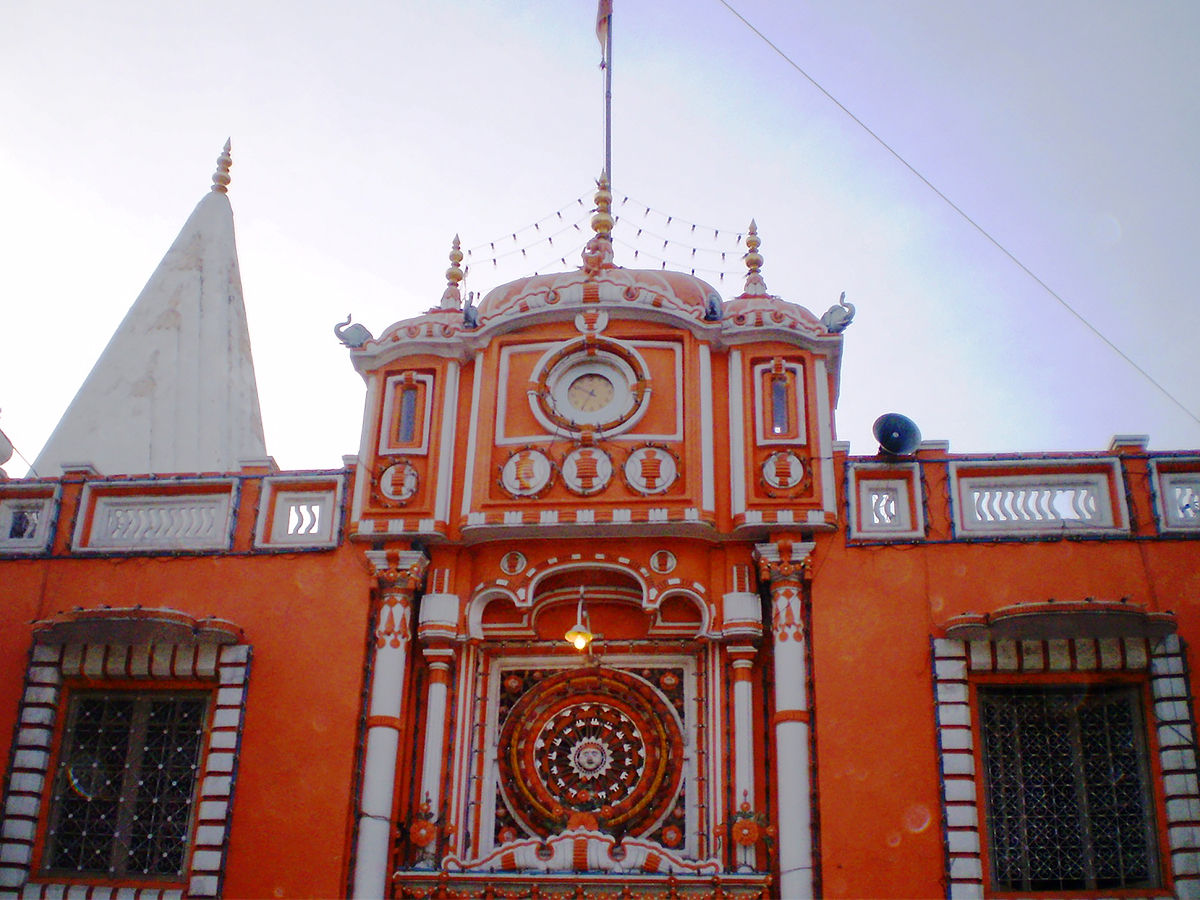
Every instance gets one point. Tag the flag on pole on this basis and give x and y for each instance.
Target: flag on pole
(603, 15)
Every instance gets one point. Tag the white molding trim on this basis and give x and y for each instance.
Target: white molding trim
(226, 667)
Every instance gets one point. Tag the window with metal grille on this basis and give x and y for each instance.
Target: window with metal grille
(1068, 799)
(125, 784)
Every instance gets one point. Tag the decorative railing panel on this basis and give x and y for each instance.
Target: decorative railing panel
(26, 522)
(158, 522)
(299, 512)
(883, 506)
(1041, 503)
(1179, 501)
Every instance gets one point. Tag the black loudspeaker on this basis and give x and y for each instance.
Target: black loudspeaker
(897, 434)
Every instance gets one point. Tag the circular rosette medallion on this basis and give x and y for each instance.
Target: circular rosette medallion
(526, 473)
(783, 470)
(650, 470)
(399, 482)
(586, 470)
(602, 742)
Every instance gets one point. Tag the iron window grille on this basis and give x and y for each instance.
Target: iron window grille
(1068, 800)
(125, 784)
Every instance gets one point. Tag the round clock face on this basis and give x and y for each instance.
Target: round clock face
(590, 392)
(605, 388)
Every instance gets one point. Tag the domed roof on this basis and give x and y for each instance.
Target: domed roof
(674, 291)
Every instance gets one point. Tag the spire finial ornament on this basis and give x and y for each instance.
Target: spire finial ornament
(755, 286)
(220, 177)
(452, 298)
(597, 253)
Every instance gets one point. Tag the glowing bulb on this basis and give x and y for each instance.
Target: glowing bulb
(580, 635)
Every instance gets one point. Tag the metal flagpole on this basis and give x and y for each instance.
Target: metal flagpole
(608, 98)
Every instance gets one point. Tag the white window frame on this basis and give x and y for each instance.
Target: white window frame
(1165, 484)
(274, 504)
(910, 506)
(224, 666)
(20, 498)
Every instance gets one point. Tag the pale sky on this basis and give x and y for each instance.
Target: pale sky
(365, 136)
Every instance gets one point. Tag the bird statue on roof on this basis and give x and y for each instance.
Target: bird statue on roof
(838, 318)
(354, 336)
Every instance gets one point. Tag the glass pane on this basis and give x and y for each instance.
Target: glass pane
(125, 783)
(779, 405)
(408, 415)
(1066, 789)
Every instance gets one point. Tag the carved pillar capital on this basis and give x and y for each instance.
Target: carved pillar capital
(400, 574)
(399, 571)
(783, 560)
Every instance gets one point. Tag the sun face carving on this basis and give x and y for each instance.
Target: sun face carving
(604, 742)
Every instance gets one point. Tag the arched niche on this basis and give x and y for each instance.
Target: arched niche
(613, 597)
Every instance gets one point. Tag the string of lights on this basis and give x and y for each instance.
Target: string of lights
(666, 240)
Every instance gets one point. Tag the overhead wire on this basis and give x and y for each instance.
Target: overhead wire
(954, 206)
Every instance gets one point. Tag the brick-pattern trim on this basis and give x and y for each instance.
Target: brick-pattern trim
(226, 667)
(954, 662)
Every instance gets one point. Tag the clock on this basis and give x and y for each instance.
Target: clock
(599, 385)
(591, 392)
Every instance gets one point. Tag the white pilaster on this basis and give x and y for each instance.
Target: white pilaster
(784, 565)
(393, 633)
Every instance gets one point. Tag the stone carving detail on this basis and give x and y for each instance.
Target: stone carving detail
(399, 482)
(526, 473)
(783, 470)
(599, 749)
(587, 470)
(192, 522)
(650, 470)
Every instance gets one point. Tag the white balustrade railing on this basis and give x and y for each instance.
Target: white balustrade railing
(1179, 500)
(1035, 503)
(172, 522)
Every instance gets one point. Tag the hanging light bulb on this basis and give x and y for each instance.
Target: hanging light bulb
(580, 634)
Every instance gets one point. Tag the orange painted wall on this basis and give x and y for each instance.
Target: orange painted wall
(874, 612)
(305, 617)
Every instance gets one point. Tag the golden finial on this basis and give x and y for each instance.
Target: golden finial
(220, 177)
(452, 298)
(755, 286)
(597, 253)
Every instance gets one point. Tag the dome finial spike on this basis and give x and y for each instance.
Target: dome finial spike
(220, 179)
(755, 286)
(452, 297)
(598, 253)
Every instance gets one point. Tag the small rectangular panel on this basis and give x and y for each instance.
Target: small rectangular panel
(27, 518)
(885, 501)
(1038, 498)
(407, 406)
(296, 512)
(779, 402)
(1176, 494)
(152, 516)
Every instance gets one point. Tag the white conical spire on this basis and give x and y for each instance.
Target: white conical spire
(174, 390)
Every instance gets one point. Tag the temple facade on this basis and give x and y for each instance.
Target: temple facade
(601, 608)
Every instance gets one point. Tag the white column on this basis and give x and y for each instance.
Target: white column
(435, 734)
(393, 633)
(742, 626)
(743, 741)
(783, 563)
